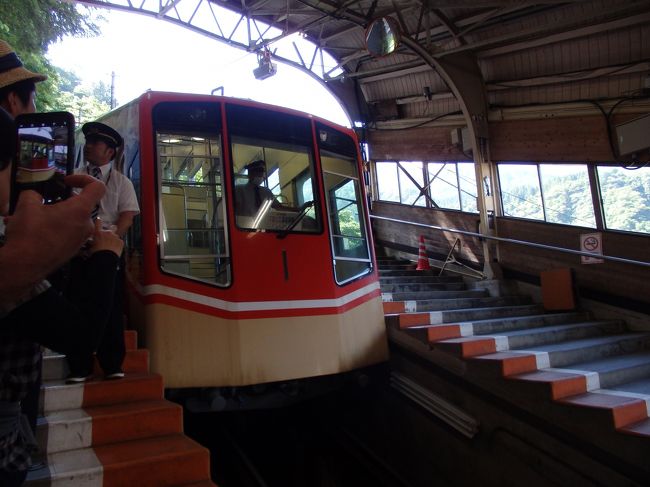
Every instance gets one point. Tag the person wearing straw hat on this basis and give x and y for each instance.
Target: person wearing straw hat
(17, 83)
(17, 97)
(39, 239)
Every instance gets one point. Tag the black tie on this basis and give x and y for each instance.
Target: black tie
(97, 173)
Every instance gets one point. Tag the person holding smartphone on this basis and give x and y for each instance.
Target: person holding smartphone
(37, 240)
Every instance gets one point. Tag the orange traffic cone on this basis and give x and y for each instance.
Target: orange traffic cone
(423, 260)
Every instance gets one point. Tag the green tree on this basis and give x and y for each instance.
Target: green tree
(85, 104)
(30, 26)
(102, 92)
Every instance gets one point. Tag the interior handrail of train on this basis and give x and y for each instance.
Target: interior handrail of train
(515, 241)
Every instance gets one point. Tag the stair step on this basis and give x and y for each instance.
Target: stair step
(559, 333)
(615, 372)
(55, 366)
(153, 462)
(622, 411)
(407, 320)
(433, 333)
(428, 295)
(399, 287)
(640, 428)
(577, 351)
(389, 277)
(99, 425)
(464, 303)
(57, 395)
(638, 386)
(484, 352)
(616, 375)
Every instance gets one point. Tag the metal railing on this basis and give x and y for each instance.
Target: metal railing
(517, 242)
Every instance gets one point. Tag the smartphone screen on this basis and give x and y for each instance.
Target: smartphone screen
(44, 156)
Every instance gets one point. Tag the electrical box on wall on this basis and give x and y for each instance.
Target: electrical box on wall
(460, 139)
(633, 136)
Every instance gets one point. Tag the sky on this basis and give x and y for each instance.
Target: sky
(147, 53)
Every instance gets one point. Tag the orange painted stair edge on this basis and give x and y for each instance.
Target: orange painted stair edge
(624, 410)
(136, 420)
(161, 461)
(560, 384)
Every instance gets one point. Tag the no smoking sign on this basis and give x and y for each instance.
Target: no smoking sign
(592, 243)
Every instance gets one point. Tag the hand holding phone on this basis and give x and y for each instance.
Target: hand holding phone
(44, 156)
(47, 236)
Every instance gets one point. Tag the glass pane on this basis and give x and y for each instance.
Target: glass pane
(567, 194)
(409, 190)
(520, 193)
(626, 198)
(467, 178)
(193, 238)
(349, 238)
(444, 184)
(387, 182)
(270, 180)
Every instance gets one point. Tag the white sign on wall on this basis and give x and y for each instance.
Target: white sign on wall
(592, 243)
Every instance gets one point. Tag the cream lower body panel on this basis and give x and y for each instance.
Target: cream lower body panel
(191, 349)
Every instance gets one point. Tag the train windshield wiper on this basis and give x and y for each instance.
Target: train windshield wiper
(303, 211)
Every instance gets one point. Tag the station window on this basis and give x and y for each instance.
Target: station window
(555, 193)
(401, 182)
(449, 185)
(193, 239)
(625, 195)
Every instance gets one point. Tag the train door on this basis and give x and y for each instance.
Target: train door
(193, 237)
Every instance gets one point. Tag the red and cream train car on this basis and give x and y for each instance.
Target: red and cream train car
(220, 295)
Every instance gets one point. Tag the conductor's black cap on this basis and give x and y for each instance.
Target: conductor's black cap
(102, 132)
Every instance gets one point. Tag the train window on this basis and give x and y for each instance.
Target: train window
(348, 231)
(273, 165)
(193, 239)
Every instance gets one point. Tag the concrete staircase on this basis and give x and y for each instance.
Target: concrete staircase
(114, 433)
(589, 377)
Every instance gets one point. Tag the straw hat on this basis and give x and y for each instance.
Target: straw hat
(11, 67)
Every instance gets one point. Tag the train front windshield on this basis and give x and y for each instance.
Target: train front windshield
(273, 169)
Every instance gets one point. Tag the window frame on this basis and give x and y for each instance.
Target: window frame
(425, 191)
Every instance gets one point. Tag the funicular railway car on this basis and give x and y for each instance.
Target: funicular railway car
(222, 295)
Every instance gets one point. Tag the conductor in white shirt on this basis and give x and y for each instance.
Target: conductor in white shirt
(116, 210)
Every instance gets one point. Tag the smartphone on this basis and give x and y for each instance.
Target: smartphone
(44, 156)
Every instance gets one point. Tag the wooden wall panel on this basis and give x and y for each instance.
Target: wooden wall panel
(582, 139)
(421, 144)
(611, 278)
(569, 139)
(438, 242)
